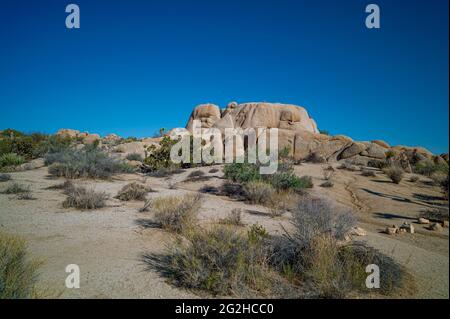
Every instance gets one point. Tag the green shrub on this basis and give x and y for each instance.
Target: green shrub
(159, 158)
(428, 167)
(395, 173)
(33, 145)
(133, 191)
(87, 163)
(18, 272)
(11, 159)
(284, 181)
(241, 172)
(176, 214)
(83, 198)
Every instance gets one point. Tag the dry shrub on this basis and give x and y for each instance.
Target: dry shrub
(133, 191)
(258, 192)
(280, 202)
(436, 215)
(315, 254)
(83, 198)
(234, 218)
(176, 214)
(220, 261)
(16, 188)
(368, 173)
(233, 190)
(395, 173)
(18, 272)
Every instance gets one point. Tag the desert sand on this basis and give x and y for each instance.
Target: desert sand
(108, 243)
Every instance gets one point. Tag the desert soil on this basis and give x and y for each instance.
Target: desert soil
(107, 244)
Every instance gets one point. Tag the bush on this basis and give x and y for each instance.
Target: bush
(395, 173)
(315, 255)
(368, 173)
(234, 218)
(159, 158)
(258, 192)
(87, 163)
(15, 188)
(428, 167)
(83, 198)
(31, 146)
(233, 190)
(284, 181)
(11, 159)
(176, 214)
(134, 157)
(222, 262)
(4, 177)
(241, 172)
(132, 191)
(25, 196)
(436, 215)
(18, 273)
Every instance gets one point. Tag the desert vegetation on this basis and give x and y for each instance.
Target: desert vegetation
(18, 272)
(133, 191)
(225, 261)
(176, 214)
(89, 162)
(83, 198)
(395, 173)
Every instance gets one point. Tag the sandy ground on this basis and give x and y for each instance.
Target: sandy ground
(108, 243)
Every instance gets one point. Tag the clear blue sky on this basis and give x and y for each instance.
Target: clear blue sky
(136, 66)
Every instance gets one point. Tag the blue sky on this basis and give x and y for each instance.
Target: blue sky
(135, 66)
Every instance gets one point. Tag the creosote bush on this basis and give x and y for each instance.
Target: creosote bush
(176, 213)
(133, 191)
(395, 173)
(83, 198)
(18, 272)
